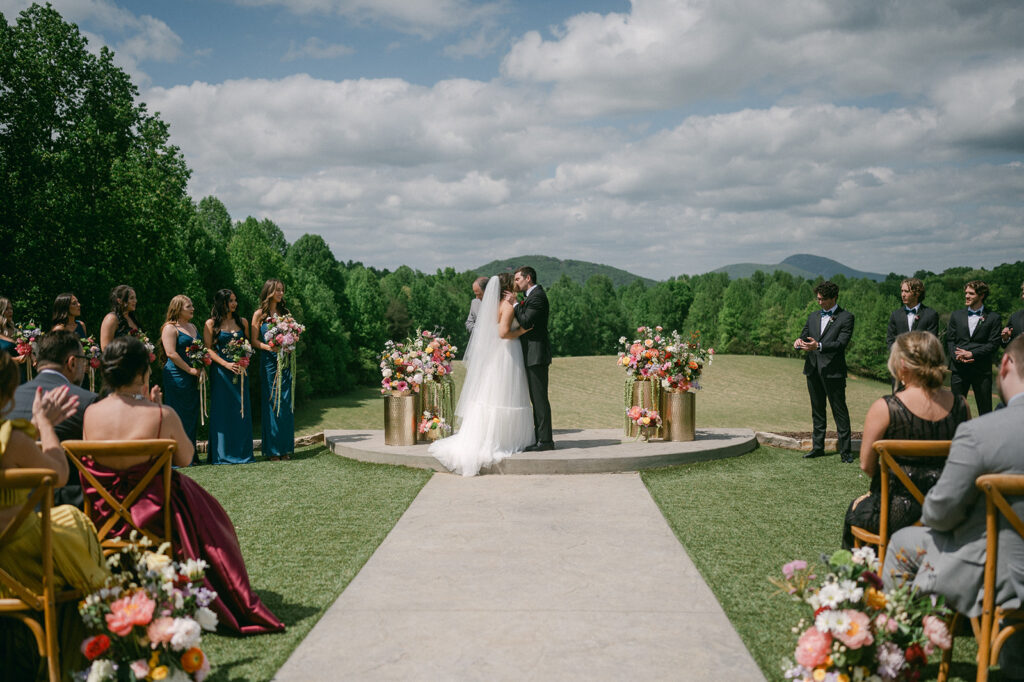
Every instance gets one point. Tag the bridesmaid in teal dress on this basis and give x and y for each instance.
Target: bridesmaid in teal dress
(121, 320)
(8, 332)
(230, 430)
(67, 312)
(278, 425)
(181, 379)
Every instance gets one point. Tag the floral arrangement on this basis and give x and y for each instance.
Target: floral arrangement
(401, 368)
(683, 362)
(856, 630)
(240, 351)
(91, 350)
(283, 336)
(434, 425)
(436, 353)
(642, 357)
(25, 340)
(645, 419)
(198, 355)
(141, 336)
(148, 619)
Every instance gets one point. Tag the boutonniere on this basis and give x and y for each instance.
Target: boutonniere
(916, 317)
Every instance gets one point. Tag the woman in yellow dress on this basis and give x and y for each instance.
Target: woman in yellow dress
(77, 558)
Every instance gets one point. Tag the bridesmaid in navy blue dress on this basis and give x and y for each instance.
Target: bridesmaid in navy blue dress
(230, 429)
(121, 320)
(8, 332)
(67, 312)
(181, 379)
(278, 425)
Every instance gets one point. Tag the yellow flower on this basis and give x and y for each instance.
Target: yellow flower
(646, 420)
(159, 673)
(875, 599)
(154, 660)
(843, 677)
(819, 674)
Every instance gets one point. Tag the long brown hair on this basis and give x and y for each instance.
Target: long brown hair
(267, 293)
(9, 376)
(62, 309)
(119, 296)
(6, 327)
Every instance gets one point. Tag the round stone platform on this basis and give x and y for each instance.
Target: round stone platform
(577, 451)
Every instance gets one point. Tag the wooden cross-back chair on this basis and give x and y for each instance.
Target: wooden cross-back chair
(160, 452)
(888, 451)
(997, 623)
(25, 604)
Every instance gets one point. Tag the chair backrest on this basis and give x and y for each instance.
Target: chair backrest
(888, 451)
(159, 451)
(39, 484)
(996, 488)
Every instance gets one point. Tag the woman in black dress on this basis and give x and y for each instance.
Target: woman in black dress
(121, 320)
(923, 410)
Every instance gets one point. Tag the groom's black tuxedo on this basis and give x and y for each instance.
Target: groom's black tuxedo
(825, 370)
(532, 314)
(983, 344)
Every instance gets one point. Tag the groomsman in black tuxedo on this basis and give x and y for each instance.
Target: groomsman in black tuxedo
(532, 314)
(825, 338)
(1015, 326)
(972, 339)
(913, 315)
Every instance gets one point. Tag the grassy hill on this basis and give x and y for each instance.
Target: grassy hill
(549, 270)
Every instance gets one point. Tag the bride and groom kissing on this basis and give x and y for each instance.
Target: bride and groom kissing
(503, 407)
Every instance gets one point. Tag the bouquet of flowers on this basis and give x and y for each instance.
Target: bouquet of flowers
(643, 356)
(239, 350)
(141, 336)
(401, 368)
(283, 336)
(683, 361)
(92, 352)
(645, 419)
(856, 630)
(436, 352)
(199, 357)
(25, 341)
(148, 619)
(433, 426)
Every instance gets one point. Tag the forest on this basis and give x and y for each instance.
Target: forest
(95, 195)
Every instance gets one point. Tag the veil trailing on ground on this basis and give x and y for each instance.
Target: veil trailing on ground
(494, 406)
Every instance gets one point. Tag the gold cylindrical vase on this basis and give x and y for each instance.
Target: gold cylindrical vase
(400, 419)
(643, 396)
(678, 415)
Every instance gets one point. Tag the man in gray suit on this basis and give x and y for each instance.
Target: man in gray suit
(474, 306)
(947, 556)
(61, 362)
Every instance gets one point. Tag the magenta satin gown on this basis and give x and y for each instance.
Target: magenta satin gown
(202, 530)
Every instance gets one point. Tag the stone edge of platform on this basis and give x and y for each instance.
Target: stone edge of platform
(802, 444)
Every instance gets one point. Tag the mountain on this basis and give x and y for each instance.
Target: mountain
(803, 265)
(549, 270)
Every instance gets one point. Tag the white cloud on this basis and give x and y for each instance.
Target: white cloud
(314, 48)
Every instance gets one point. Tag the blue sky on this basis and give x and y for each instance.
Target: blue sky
(659, 136)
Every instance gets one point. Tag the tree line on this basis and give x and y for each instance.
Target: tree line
(95, 195)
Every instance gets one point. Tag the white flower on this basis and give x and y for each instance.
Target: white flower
(387, 373)
(832, 621)
(622, 339)
(194, 568)
(852, 591)
(179, 600)
(186, 634)
(830, 595)
(206, 618)
(864, 555)
(100, 670)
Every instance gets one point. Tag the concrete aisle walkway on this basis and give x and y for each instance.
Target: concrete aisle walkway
(526, 578)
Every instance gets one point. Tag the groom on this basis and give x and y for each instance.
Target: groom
(532, 314)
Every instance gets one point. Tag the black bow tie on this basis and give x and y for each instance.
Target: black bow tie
(827, 313)
(910, 310)
(973, 312)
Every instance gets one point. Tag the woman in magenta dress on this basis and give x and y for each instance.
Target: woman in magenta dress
(201, 527)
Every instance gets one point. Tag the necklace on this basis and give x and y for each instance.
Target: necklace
(133, 396)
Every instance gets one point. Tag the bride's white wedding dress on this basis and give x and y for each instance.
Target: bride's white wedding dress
(494, 406)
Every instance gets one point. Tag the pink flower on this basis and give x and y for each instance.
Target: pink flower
(884, 623)
(634, 412)
(812, 648)
(160, 631)
(127, 612)
(204, 670)
(140, 668)
(859, 632)
(400, 386)
(792, 567)
(937, 632)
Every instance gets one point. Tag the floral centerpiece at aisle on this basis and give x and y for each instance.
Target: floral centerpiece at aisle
(683, 362)
(647, 421)
(148, 619)
(400, 370)
(199, 357)
(240, 350)
(433, 427)
(25, 341)
(855, 630)
(642, 359)
(437, 394)
(92, 352)
(283, 336)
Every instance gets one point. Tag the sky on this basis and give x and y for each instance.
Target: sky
(664, 137)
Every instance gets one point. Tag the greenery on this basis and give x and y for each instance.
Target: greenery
(551, 269)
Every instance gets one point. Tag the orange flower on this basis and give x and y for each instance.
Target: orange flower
(693, 364)
(875, 599)
(192, 660)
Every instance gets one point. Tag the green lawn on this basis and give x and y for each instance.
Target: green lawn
(307, 526)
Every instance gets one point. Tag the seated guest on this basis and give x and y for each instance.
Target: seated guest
(947, 555)
(1015, 325)
(77, 559)
(60, 362)
(913, 315)
(201, 527)
(923, 410)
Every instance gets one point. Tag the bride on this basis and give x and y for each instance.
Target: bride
(494, 407)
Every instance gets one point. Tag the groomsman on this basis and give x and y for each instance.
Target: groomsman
(913, 315)
(1015, 326)
(825, 338)
(972, 339)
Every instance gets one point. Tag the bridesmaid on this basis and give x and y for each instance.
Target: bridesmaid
(181, 379)
(278, 428)
(230, 431)
(8, 334)
(66, 311)
(121, 320)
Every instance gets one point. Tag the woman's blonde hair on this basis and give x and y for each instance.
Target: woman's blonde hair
(919, 355)
(174, 309)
